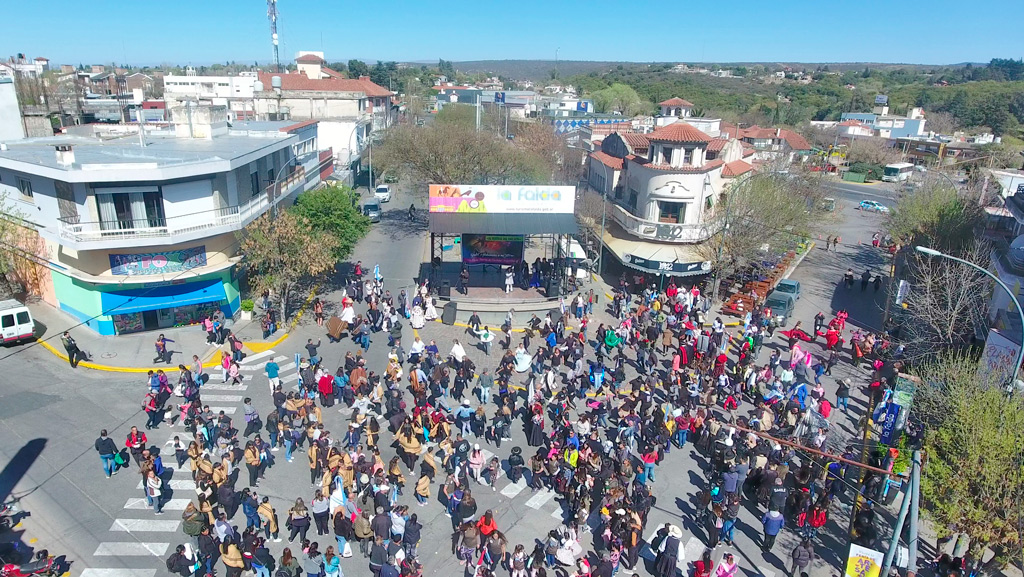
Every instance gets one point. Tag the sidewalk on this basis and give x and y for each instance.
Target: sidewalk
(134, 353)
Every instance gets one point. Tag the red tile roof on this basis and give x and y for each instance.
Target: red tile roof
(636, 140)
(736, 168)
(717, 144)
(302, 82)
(795, 141)
(309, 59)
(850, 123)
(678, 132)
(331, 73)
(295, 127)
(607, 159)
(676, 102)
(749, 152)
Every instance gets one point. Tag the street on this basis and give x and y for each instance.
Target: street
(51, 416)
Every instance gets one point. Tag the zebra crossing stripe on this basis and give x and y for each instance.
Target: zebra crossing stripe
(227, 410)
(222, 387)
(170, 505)
(290, 366)
(262, 365)
(118, 572)
(222, 398)
(538, 500)
(176, 485)
(250, 359)
(558, 513)
(131, 549)
(512, 489)
(693, 549)
(290, 378)
(145, 525)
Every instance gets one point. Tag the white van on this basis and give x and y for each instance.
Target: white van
(16, 322)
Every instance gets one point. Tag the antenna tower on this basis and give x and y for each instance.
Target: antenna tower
(272, 16)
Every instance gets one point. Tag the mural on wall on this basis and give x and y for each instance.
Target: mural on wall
(150, 263)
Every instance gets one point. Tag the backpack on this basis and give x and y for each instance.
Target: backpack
(282, 572)
(171, 562)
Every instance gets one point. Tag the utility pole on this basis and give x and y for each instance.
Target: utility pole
(915, 497)
(478, 112)
(897, 530)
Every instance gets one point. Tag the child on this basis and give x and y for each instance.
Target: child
(493, 472)
(180, 453)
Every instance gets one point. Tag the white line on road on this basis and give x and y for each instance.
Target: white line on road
(557, 513)
(170, 505)
(222, 387)
(262, 365)
(176, 485)
(290, 378)
(227, 410)
(250, 359)
(145, 525)
(538, 500)
(131, 549)
(118, 572)
(514, 489)
(222, 398)
(693, 548)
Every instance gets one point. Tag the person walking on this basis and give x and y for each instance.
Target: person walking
(74, 354)
(107, 449)
(273, 371)
(772, 521)
(801, 557)
(163, 354)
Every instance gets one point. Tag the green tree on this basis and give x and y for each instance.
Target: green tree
(282, 251)
(972, 478)
(935, 215)
(357, 68)
(334, 210)
(618, 98)
(446, 68)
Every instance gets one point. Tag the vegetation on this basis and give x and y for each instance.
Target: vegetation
(281, 251)
(974, 472)
(334, 211)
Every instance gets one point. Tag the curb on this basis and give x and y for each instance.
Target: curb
(111, 369)
(263, 347)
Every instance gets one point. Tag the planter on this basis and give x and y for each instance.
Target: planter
(246, 315)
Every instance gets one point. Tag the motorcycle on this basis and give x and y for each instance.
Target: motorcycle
(43, 565)
(7, 513)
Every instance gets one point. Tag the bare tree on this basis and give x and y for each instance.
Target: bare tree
(942, 122)
(872, 151)
(947, 303)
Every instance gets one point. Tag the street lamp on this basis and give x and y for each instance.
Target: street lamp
(930, 252)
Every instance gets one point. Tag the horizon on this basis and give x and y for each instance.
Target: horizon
(239, 31)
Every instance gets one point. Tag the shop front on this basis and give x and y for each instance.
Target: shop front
(161, 307)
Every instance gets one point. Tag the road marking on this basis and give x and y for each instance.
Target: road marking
(537, 501)
(118, 572)
(286, 367)
(263, 365)
(145, 525)
(693, 549)
(170, 505)
(290, 378)
(221, 387)
(249, 359)
(222, 398)
(131, 549)
(176, 485)
(227, 410)
(558, 513)
(514, 489)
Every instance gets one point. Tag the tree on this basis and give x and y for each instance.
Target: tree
(280, 252)
(15, 241)
(871, 151)
(618, 98)
(357, 68)
(972, 478)
(761, 215)
(942, 122)
(446, 68)
(935, 215)
(334, 210)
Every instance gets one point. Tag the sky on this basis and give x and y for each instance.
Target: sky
(204, 32)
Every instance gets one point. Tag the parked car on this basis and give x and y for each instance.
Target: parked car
(873, 206)
(782, 305)
(16, 324)
(789, 286)
(382, 193)
(371, 208)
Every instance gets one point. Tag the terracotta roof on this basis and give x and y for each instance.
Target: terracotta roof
(708, 166)
(757, 132)
(331, 73)
(678, 132)
(736, 168)
(749, 152)
(850, 123)
(795, 141)
(607, 159)
(717, 144)
(676, 102)
(636, 140)
(298, 81)
(295, 127)
(309, 59)
(39, 58)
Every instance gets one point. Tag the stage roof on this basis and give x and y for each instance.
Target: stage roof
(505, 223)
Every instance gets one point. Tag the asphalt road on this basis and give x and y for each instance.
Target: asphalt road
(51, 415)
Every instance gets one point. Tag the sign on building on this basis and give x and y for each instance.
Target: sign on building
(150, 263)
(500, 199)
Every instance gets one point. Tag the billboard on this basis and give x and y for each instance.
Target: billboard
(998, 357)
(863, 562)
(502, 199)
(148, 263)
(506, 249)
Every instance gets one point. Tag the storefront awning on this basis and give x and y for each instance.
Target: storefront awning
(513, 223)
(654, 257)
(162, 296)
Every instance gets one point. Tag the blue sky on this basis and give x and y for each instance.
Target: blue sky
(202, 32)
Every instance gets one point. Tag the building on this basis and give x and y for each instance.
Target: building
(21, 66)
(773, 145)
(136, 233)
(661, 189)
(11, 125)
(348, 110)
(888, 126)
(234, 92)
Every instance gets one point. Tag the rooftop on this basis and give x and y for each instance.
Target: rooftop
(736, 168)
(676, 102)
(297, 81)
(607, 160)
(678, 132)
(309, 59)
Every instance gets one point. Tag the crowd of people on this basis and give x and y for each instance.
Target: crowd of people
(595, 436)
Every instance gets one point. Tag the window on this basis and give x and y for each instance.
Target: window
(23, 318)
(25, 186)
(8, 321)
(131, 210)
(672, 212)
(254, 182)
(66, 202)
(687, 156)
(666, 155)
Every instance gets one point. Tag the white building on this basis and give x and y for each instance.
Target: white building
(138, 234)
(20, 66)
(661, 189)
(234, 92)
(11, 125)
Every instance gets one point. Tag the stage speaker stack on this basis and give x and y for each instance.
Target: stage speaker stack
(445, 290)
(451, 308)
(553, 287)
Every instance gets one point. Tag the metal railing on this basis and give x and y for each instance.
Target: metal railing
(660, 231)
(230, 217)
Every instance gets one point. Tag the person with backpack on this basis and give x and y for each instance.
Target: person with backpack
(181, 562)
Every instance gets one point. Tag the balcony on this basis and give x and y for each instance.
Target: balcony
(180, 228)
(658, 231)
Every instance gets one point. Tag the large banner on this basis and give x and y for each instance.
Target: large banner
(148, 263)
(506, 249)
(864, 562)
(998, 357)
(498, 199)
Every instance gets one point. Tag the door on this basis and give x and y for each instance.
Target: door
(150, 320)
(165, 318)
(7, 326)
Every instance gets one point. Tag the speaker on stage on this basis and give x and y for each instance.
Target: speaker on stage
(553, 288)
(445, 289)
(451, 308)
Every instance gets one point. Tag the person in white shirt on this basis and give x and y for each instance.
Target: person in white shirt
(458, 353)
